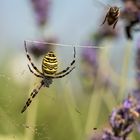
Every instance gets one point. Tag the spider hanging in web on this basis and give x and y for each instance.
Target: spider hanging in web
(49, 72)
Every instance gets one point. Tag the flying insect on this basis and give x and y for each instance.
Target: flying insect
(112, 16)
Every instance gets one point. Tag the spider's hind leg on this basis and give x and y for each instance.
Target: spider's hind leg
(32, 95)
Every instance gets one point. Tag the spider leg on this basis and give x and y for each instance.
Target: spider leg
(32, 95)
(71, 64)
(30, 60)
(37, 75)
(60, 76)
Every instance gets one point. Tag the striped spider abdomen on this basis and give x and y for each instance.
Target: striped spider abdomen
(49, 64)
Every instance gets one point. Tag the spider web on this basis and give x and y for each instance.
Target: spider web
(64, 45)
(12, 99)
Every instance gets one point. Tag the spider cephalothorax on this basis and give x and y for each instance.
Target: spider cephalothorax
(49, 72)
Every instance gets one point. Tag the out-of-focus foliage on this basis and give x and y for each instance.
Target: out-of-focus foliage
(131, 15)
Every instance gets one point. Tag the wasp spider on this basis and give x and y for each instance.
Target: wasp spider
(49, 72)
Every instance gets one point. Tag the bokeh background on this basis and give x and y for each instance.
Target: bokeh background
(77, 106)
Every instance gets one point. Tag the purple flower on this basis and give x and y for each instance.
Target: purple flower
(91, 68)
(38, 49)
(122, 120)
(128, 103)
(41, 8)
(108, 135)
(90, 55)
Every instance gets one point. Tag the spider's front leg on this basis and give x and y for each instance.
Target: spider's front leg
(30, 60)
(71, 64)
(60, 76)
(37, 75)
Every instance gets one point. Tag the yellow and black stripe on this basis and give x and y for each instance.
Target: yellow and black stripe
(49, 64)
